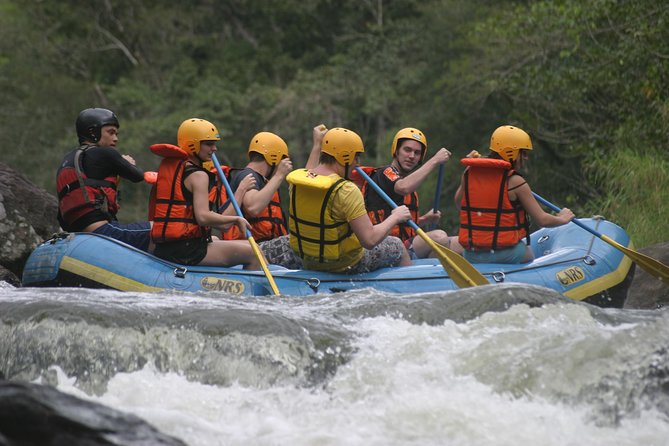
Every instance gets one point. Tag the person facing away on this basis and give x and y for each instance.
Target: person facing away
(268, 164)
(399, 181)
(495, 200)
(182, 211)
(328, 223)
(87, 181)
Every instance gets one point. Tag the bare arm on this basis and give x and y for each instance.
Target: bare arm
(371, 235)
(459, 192)
(247, 182)
(431, 217)
(198, 184)
(257, 200)
(412, 181)
(522, 192)
(318, 133)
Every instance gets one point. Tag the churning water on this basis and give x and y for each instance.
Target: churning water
(495, 365)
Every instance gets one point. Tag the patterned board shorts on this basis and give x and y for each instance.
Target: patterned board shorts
(385, 254)
(278, 252)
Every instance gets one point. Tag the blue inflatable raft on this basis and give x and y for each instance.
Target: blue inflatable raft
(568, 259)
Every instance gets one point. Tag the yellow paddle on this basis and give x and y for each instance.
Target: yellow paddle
(460, 270)
(654, 267)
(253, 243)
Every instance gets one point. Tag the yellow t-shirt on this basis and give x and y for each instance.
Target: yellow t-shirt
(348, 204)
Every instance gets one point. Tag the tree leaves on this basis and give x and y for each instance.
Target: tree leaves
(587, 80)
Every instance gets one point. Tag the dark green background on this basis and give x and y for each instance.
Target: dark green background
(589, 80)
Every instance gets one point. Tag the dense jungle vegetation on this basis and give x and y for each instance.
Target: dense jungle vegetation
(589, 80)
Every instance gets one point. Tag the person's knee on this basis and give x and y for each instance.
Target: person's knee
(440, 236)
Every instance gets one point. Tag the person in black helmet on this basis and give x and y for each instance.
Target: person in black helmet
(88, 177)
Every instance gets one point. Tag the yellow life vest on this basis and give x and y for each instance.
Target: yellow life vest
(322, 243)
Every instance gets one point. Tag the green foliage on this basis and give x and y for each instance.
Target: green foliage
(633, 184)
(588, 80)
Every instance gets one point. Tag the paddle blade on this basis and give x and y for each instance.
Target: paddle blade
(653, 267)
(467, 268)
(458, 268)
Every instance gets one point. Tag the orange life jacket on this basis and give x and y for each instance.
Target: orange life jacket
(488, 219)
(79, 195)
(378, 210)
(267, 225)
(171, 204)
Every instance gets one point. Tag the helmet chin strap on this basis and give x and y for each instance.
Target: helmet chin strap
(272, 168)
(197, 155)
(346, 171)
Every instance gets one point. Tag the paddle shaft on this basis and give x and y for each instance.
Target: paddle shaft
(450, 264)
(654, 267)
(437, 193)
(249, 236)
(557, 209)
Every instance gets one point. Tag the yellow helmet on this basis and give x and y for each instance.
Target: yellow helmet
(269, 145)
(342, 144)
(410, 133)
(508, 141)
(193, 131)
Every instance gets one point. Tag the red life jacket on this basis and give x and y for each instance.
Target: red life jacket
(378, 210)
(79, 195)
(488, 219)
(267, 225)
(171, 204)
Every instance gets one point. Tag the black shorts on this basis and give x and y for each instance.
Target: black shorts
(185, 252)
(135, 234)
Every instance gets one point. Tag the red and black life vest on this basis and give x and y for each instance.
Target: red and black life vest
(488, 219)
(378, 210)
(79, 195)
(269, 224)
(171, 204)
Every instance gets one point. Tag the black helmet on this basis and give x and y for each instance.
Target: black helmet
(91, 121)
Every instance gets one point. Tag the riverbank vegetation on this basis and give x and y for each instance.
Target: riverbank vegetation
(589, 80)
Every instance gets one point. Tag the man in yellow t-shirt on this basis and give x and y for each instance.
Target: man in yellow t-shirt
(328, 224)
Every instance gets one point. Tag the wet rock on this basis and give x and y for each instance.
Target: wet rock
(646, 291)
(27, 217)
(8, 277)
(32, 414)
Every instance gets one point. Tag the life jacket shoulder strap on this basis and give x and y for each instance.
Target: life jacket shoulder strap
(486, 162)
(168, 151)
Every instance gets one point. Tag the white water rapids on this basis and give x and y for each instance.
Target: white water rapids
(558, 373)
